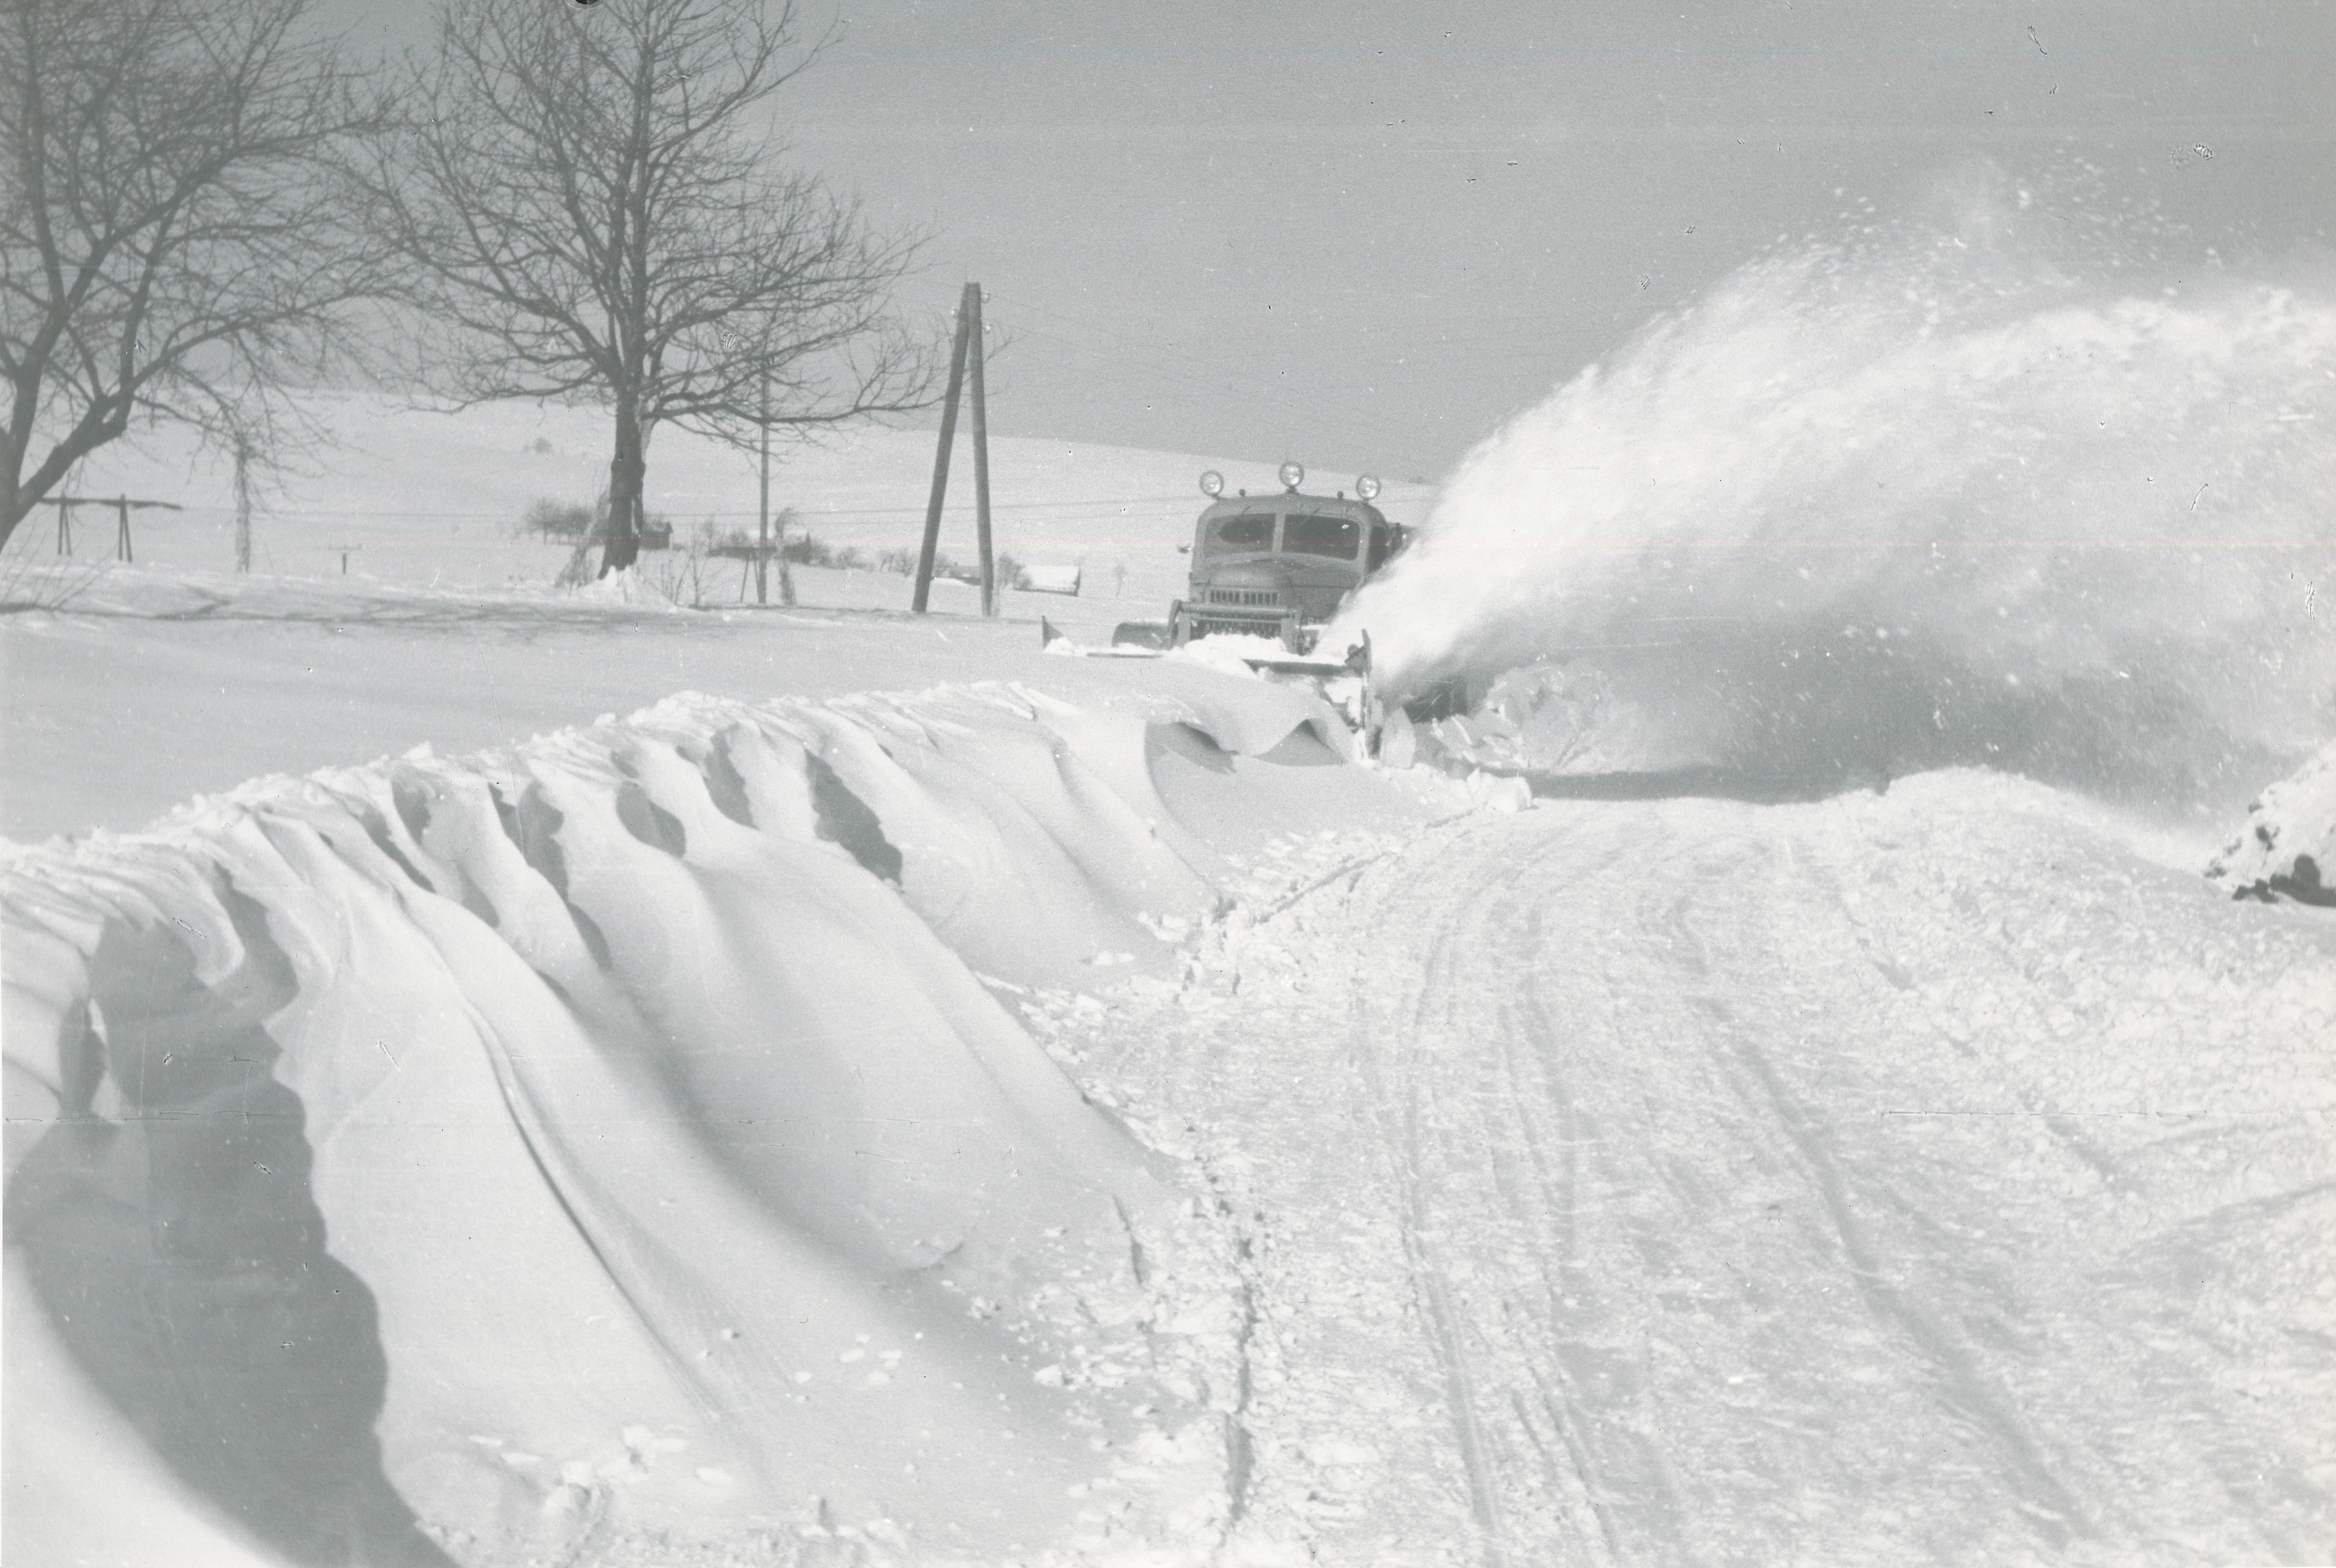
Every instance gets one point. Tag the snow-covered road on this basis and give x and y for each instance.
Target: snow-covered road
(1931, 1175)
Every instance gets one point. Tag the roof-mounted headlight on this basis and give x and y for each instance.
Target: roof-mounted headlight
(1293, 474)
(1212, 483)
(1367, 486)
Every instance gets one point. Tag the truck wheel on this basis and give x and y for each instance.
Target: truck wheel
(1179, 625)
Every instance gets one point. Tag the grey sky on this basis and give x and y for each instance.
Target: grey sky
(1362, 234)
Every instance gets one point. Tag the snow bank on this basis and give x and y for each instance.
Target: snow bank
(1948, 495)
(601, 1140)
(2289, 842)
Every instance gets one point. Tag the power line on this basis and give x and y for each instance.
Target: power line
(800, 507)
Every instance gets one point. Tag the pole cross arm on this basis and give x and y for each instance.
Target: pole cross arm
(123, 505)
(112, 500)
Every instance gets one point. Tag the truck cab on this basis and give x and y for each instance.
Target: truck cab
(1280, 566)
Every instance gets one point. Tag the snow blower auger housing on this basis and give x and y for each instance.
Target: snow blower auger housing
(1275, 566)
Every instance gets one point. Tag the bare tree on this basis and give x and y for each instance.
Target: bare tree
(592, 202)
(172, 241)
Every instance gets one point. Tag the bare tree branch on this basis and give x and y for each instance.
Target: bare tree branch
(172, 238)
(593, 207)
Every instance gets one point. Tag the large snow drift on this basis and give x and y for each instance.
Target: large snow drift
(1935, 495)
(607, 1142)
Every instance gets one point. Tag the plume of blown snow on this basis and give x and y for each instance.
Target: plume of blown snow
(1929, 496)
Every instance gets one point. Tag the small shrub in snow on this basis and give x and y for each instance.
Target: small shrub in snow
(802, 548)
(727, 544)
(548, 519)
(904, 561)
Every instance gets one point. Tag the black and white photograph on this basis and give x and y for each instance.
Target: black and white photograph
(1421, 783)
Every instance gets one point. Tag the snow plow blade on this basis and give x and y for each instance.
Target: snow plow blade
(1050, 636)
(1322, 666)
(1154, 636)
(1357, 662)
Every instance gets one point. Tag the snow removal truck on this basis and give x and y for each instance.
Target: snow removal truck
(1274, 565)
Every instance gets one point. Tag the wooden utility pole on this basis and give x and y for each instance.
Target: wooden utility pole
(969, 333)
(243, 505)
(981, 458)
(942, 460)
(762, 537)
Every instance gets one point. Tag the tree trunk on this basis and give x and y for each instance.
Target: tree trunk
(626, 471)
(763, 535)
(243, 506)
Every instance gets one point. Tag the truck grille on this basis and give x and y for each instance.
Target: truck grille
(1261, 597)
(1212, 625)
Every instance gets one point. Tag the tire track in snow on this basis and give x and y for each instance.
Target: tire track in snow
(1959, 1381)
(1640, 1468)
(1555, 1395)
(1671, 1287)
(1429, 1283)
(1580, 943)
(1555, 1468)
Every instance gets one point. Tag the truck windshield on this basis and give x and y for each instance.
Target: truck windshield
(1254, 532)
(1331, 536)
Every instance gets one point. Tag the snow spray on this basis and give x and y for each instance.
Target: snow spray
(1925, 496)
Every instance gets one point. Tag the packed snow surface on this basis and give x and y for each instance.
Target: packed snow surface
(1931, 1176)
(1952, 490)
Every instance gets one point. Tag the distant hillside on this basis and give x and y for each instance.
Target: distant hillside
(425, 497)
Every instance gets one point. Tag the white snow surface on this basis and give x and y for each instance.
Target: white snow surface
(974, 1127)
(1928, 1176)
(910, 1099)
(614, 1144)
(150, 685)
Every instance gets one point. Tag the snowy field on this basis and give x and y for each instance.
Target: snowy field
(395, 494)
(296, 666)
(504, 1077)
